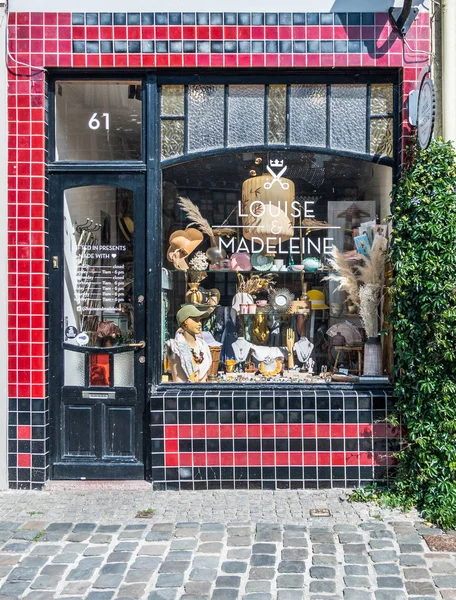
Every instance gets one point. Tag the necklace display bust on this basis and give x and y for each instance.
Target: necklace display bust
(241, 348)
(303, 349)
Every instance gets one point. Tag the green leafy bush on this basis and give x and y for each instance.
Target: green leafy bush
(423, 316)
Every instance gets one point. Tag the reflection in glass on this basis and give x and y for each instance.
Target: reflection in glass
(381, 137)
(277, 114)
(74, 368)
(99, 371)
(172, 100)
(308, 115)
(172, 138)
(381, 99)
(246, 115)
(348, 117)
(98, 283)
(205, 116)
(124, 369)
(98, 120)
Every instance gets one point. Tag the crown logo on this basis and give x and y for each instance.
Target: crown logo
(276, 163)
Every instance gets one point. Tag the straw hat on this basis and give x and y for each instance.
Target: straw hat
(317, 300)
(181, 244)
(126, 226)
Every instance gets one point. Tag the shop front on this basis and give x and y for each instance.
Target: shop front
(213, 246)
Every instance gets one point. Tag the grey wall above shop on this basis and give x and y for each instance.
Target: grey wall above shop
(207, 5)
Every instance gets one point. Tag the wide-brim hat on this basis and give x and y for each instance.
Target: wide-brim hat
(190, 310)
(126, 226)
(317, 300)
(181, 244)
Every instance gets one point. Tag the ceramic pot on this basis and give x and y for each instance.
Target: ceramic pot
(193, 295)
(311, 264)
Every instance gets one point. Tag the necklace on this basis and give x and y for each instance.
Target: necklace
(241, 349)
(198, 358)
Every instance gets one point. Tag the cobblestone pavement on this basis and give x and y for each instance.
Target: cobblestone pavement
(219, 545)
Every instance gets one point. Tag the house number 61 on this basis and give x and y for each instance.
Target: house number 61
(95, 123)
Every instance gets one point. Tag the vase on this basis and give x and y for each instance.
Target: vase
(193, 295)
(372, 357)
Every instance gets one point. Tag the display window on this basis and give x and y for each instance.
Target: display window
(254, 248)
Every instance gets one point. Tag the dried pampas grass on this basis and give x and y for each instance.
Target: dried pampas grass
(362, 283)
(196, 218)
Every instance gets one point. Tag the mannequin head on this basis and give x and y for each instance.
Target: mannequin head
(192, 325)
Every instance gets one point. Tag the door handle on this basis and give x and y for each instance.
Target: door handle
(141, 344)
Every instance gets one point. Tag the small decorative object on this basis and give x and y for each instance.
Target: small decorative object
(241, 299)
(261, 302)
(338, 340)
(297, 268)
(281, 300)
(215, 354)
(351, 333)
(310, 365)
(270, 368)
(362, 244)
(261, 262)
(240, 261)
(199, 262)
(336, 309)
(249, 367)
(244, 309)
(300, 307)
(260, 329)
(251, 309)
(311, 264)
(230, 365)
(290, 340)
(193, 294)
(107, 332)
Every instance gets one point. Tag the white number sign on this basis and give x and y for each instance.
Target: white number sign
(95, 123)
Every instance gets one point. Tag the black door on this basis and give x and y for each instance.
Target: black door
(97, 325)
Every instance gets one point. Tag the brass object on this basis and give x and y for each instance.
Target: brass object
(193, 295)
(290, 345)
(270, 369)
(141, 344)
(260, 329)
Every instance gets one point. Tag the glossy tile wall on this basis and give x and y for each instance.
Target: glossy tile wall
(141, 40)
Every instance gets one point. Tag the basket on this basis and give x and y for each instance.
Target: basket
(215, 354)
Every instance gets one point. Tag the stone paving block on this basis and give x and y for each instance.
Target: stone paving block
(204, 574)
(390, 582)
(228, 581)
(257, 586)
(264, 548)
(353, 594)
(354, 548)
(159, 536)
(206, 562)
(9, 525)
(76, 587)
(197, 588)
(291, 566)
(386, 569)
(380, 544)
(261, 573)
(262, 560)
(372, 526)
(149, 549)
(119, 557)
(60, 527)
(138, 575)
(80, 574)
(345, 528)
(350, 538)
(290, 581)
(390, 595)
(225, 594)
(54, 570)
(322, 572)
(165, 594)
(257, 596)
(414, 573)
(100, 595)
(323, 559)
(84, 527)
(443, 566)
(239, 541)
(9, 559)
(114, 569)
(235, 566)
(14, 588)
(95, 550)
(411, 560)
(383, 556)
(381, 534)
(183, 544)
(323, 586)
(211, 536)
(448, 594)
(146, 562)
(16, 547)
(66, 558)
(353, 581)
(289, 595)
(210, 548)
(356, 570)
(170, 566)
(212, 527)
(356, 559)
(108, 528)
(39, 595)
(324, 549)
(91, 562)
(420, 588)
(238, 553)
(134, 590)
(23, 573)
(100, 538)
(445, 581)
(108, 581)
(411, 548)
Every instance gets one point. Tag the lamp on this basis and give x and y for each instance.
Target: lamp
(403, 18)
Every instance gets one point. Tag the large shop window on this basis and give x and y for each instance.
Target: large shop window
(247, 239)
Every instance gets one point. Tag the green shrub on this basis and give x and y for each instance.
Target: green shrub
(423, 316)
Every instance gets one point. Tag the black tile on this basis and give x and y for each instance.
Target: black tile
(313, 19)
(38, 447)
(24, 446)
(106, 47)
(226, 445)
(189, 18)
(199, 445)
(120, 18)
(161, 18)
(326, 18)
(216, 18)
(213, 473)
(323, 445)
(227, 473)
(340, 19)
(12, 404)
(147, 18)
(322, 416)
(175, 18)
(185, 445)
(38, 461)
(157, 446)
(272, 19)
(354, 19)
(299, 18)
(324, 472)
(285, 46)
(368, 18)
(92, 47)
(133, 19)
(254, 472)
(156, 418)
(351, 445)
(202, 18)
(257, 18)
(91, 18)
(213, 445)
(283, 472)
(189, 46)
(217, 47)
(243, 19)
(158, 474)
(352, 472)
(368, 46)
(268, 445)
(23, 405)
(148, 48)
(326, 47)
(77, 18)
(12, 418)
(340, 46)
(171, 474)
(281, 445)
(105, 18)
(337, 445)
(12, 460)
(257, 47)
(78, 47)
(120, 46)
(296, 445)
(240, 445)
(272, 47)
(285, 19)
(176, 47)
(157, 432)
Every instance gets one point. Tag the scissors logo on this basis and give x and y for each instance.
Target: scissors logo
(276, 176)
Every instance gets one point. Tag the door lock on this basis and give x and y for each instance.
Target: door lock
(141, 344)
